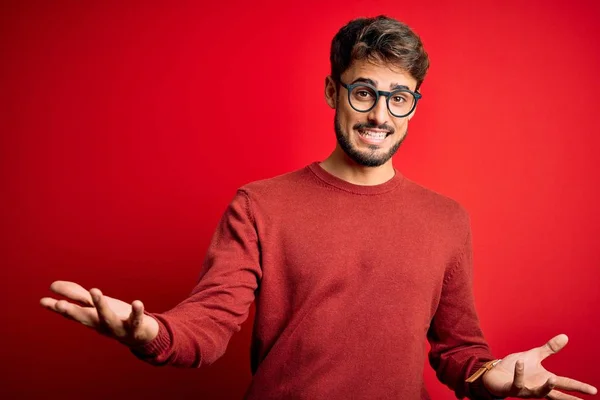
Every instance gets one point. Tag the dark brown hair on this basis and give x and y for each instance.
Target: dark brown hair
(380, 39)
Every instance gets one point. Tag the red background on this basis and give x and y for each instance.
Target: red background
(126, 128)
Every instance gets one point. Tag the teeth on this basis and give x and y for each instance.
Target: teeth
(375, 135)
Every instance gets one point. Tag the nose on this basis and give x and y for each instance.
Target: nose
(379, 114)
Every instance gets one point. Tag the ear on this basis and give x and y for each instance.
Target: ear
(330, 92)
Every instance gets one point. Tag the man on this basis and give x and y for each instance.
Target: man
(351, 264)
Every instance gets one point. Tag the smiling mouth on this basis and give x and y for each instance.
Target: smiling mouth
(374, 134)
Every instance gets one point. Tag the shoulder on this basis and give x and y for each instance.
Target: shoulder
(435, 207)
(279, 185)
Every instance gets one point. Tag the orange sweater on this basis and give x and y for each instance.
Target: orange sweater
(348, 281)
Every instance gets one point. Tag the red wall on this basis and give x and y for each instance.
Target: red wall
(126, 128)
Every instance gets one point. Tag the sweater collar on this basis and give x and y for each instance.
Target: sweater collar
(332, 180)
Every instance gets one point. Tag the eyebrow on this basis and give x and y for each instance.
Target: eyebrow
(393, 85)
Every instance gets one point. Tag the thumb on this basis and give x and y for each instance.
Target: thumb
(554, 345)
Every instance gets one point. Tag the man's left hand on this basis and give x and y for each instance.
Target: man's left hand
(522, 375)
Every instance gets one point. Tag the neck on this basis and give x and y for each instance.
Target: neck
(341, 166)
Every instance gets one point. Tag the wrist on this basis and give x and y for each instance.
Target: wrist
(487, 388)
(484, 368)
(150, 349)
(478, 380)
(150, 329)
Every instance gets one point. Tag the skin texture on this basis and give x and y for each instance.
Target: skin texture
(111, 317)
(344, 162)
(522, 375)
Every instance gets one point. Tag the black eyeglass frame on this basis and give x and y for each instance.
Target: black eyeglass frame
(378, 94)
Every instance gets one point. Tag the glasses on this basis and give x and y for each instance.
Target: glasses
(363, 98)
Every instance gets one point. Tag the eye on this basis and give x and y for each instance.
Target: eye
(363, 93)
(398, 99)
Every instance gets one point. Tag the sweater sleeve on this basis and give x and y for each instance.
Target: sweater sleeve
(197, 330)
(458, 347)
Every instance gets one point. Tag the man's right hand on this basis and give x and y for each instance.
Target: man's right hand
(124, 322)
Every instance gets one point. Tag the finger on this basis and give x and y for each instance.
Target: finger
(106, 316)
(136, 317)
(49, 303)
(556, 395)
(71, 311)
(554, 345)
(52, 304)
(564, 383)
(542, 391)
(72, 291)
(519, 377)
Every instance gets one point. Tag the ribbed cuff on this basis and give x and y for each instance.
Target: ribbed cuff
(477, 389)
(157, 346)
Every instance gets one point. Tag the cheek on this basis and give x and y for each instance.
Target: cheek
(348, 118)
(401, 126)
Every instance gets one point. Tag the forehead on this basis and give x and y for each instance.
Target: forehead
(384, 75)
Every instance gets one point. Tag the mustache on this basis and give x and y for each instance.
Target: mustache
(368, 125)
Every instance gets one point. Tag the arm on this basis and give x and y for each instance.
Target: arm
(198, 329)
(458, 347)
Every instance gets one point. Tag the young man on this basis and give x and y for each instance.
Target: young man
(351, 264)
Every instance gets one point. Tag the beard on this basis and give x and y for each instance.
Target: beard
(371, 158)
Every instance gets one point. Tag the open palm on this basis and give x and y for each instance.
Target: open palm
(522, 375)
(108, 316)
